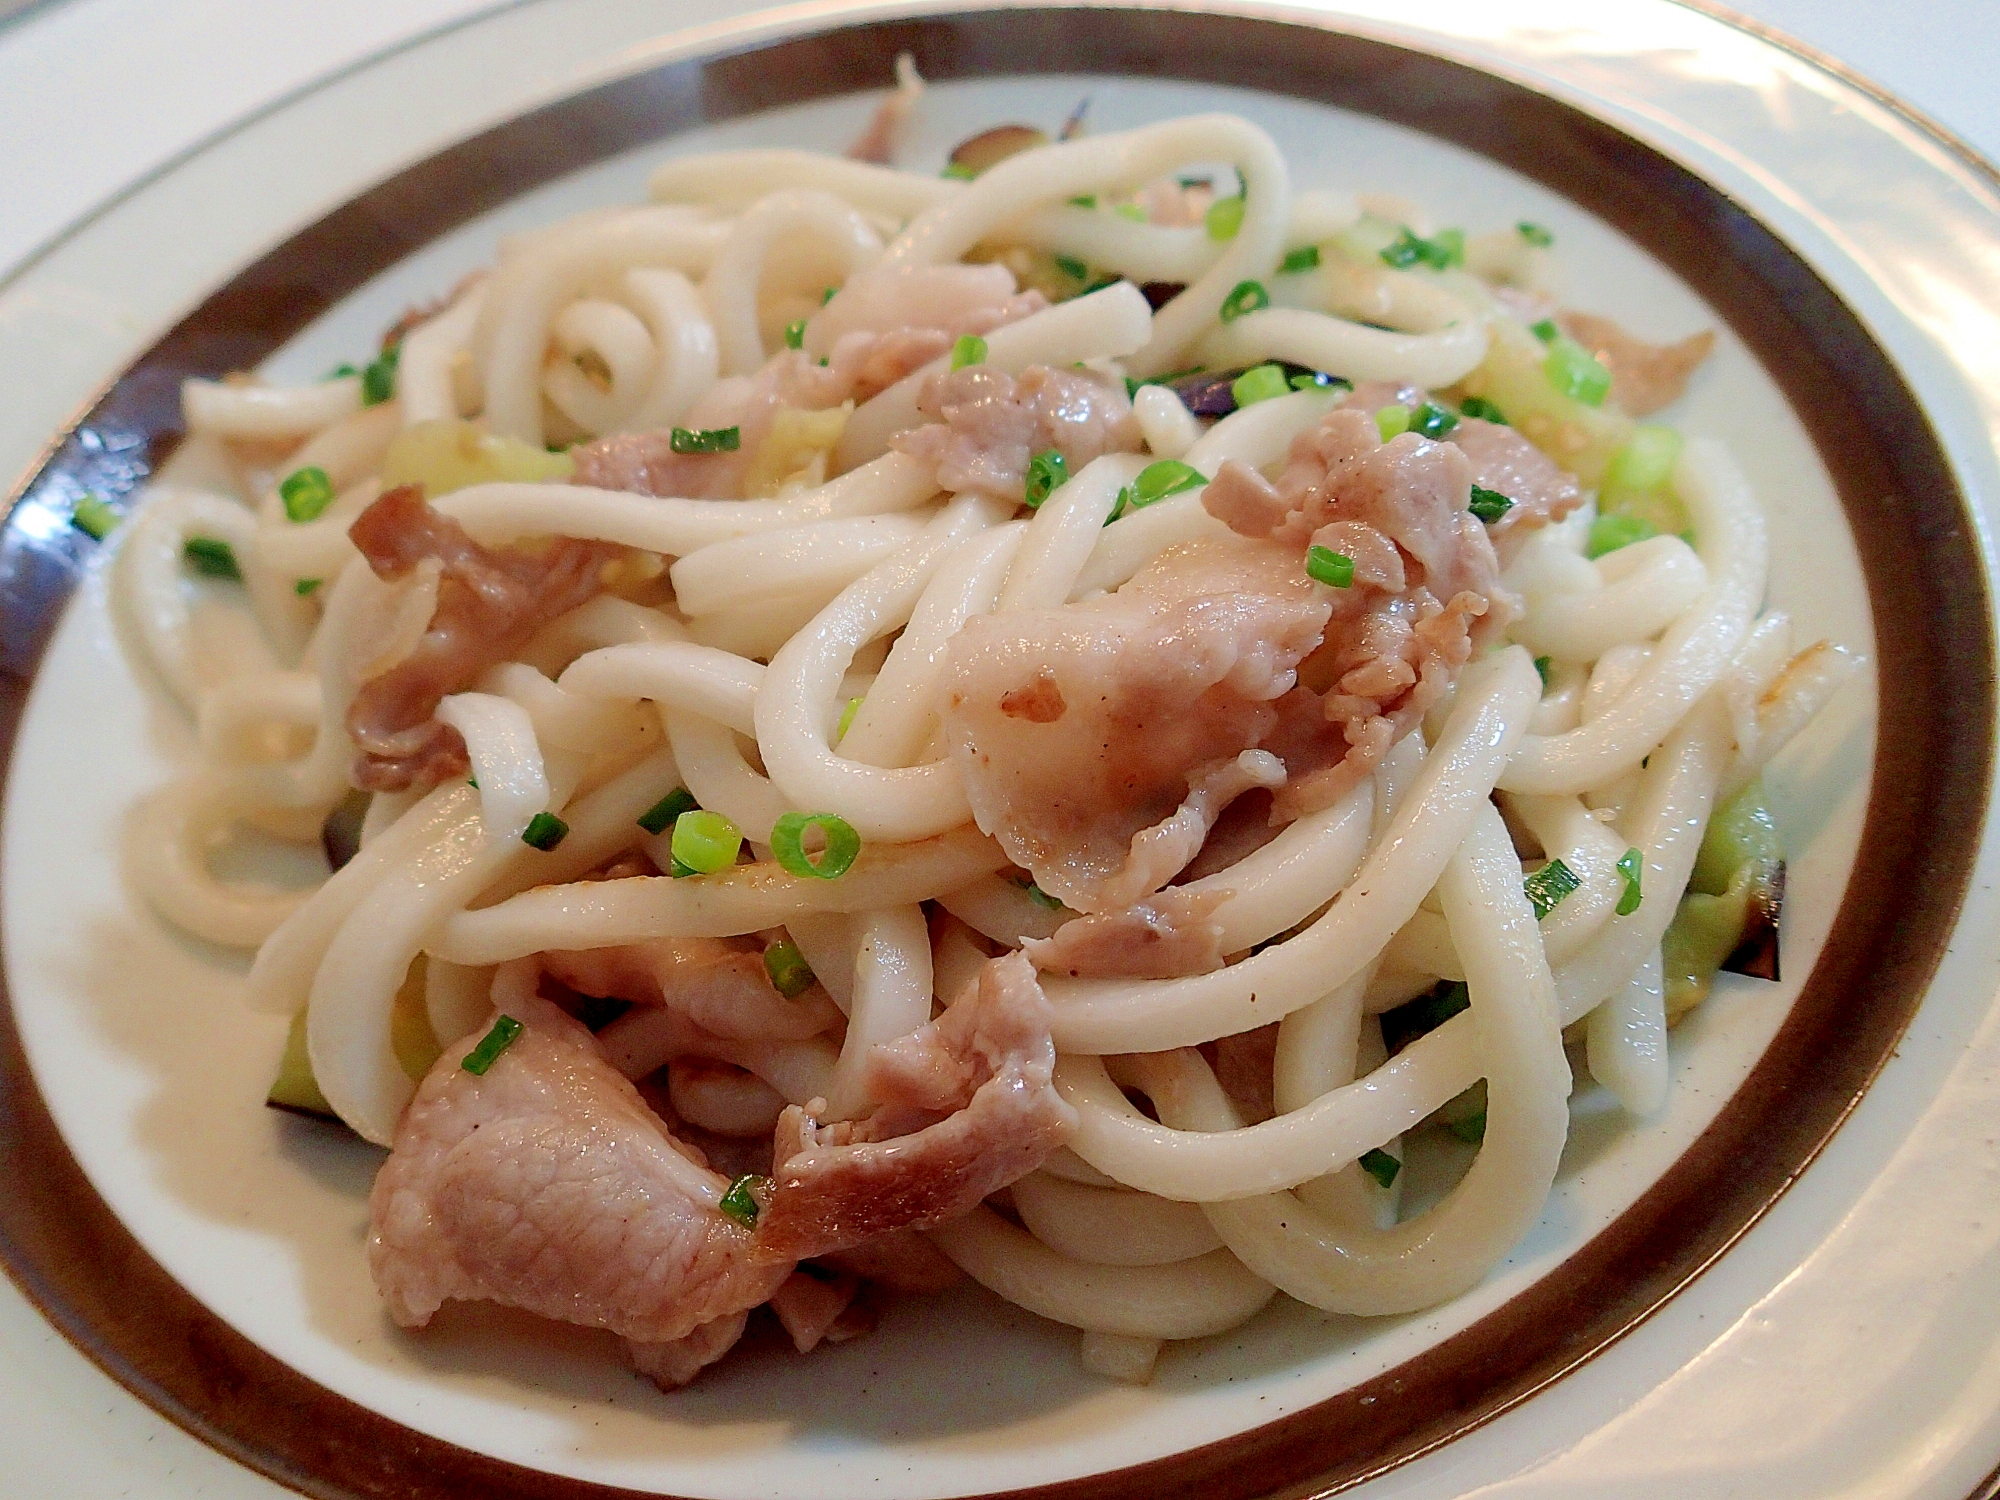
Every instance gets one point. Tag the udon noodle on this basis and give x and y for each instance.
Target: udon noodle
(1060, 722)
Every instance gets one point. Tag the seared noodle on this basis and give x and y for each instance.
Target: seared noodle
(1209, 684)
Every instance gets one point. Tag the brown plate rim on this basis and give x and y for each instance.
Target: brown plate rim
(1930, 783)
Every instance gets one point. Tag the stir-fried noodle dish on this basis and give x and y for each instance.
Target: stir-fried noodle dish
(1083, 722)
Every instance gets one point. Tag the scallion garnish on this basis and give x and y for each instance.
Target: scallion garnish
(1392, 421)
(660, 816)
(544, 831)
(506, 1031)
(306, 493)
(1084, 200)
(1609, 533)
(795, 334)
(1224, 218)
(1547, 887)
(378, 381)
(843, 844)
(1471, 1129)
(1629, 866)
(705, 439)
(1489, 505)
(846, 719)
(1576, 372)
(704, 842)
(1041, 897)
(1545, 330)
(341, 371)
(1542, 665)
(1646, 461)
(1535, 235)
(827, 295)
(1244, 297)
(1048, 471)
(1441, 251)
(958, 172)
(1131, 211)
(1484, 410)
(211, 558)
(790, 974)
(1258, 384)
(740, 1202)
(1381, 1166)
(1316, 380)
(1296, 262)
(306, 586)
(1431, 420)
(1168, 476)
(93, 517)
(1334, 569)
(969, 350)
(1071, 267)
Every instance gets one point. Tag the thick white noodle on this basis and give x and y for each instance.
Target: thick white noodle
(740, 177)
(426, 382)
(1633, 594)
(1626, 1040)
(1064, 533)
(267, 412)
(506, 759)
(790, 217)
(891, 998)
(814, 561)
(1109, 1226)
(1352, 350)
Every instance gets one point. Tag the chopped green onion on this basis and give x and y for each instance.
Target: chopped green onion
(1318, 380)
(1484, 410)
(1084, 200)
(1131, 211)
(843, 844)
(827, 295)
(544, 832)
(305, 586)
(93, 517)
(1609, 533)
(1259, 384)
(1224, 218)
(1576, 372)
(1073, 268)
(1381, 1166)
(1471, 1129)
(1547, 887)
(1535, 235)
(1545, 330)
(1629, 864)
(1048, 471)
(1299, 261)
(1166, 476)
(795, 334)
(705, 439)
(1489, 505)
(1419, 1017)
(740, 1202)
(846, 719)
(211, 558)
(1431, 420)
(790, 974)
(1244, 297)
(1542, 665)
(660, 816)
(958, 172)
(341, 371)
(1110, 278)
(1647, 459)
(1441, 251)
(378, 381)
(705, 842)
(969, 350)
(306, 493)
(1392, 421)
(1041, 897)
(1334, 569)
(505, 1032)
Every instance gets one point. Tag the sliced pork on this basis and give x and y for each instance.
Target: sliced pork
(1163, 937)
(1644, 376)
(818, 1306)
(718, 984)
(983, 425)
(673, 1364)
(965, 1107)
(489, 602)
(547, 1184)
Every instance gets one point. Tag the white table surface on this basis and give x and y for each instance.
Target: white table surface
(217, 60)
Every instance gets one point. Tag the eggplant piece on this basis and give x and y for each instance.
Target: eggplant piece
(340, 834)
(1728, 920)
(989, 148)
(417, 1048)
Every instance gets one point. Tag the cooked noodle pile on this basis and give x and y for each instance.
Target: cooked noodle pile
(1054, 722)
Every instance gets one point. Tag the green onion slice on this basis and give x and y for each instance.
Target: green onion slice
(843, 844)
(705, 842)
(1484, 410)
(1381, 1166)
(795, 334)
(827, 295)
(94, 517)
(1471, 1129)
(306, 586)
(1259, 384)
(1535, 235)
(1299, 261)
(1441, 251)
(211, 558)
(846, 719)
(1548, 886)
(1131, 211)
(660, 816)
(958, 172)
(1071, 267)
(1224, 218)
(1609, 533)
(1048, 471)
(1489, 505)
(790, 974)
(1318, 380)
(544, 831)
(1545, 330)
(1244, 297)
(1169, 476)
(740, 1202)
(1041, 897)
(1431, 420)
(969, 350)
(705, 439)
(306, 493)
(378, 381)
(1084, 200)
(1334, 569)
(1646, 462)
(1542, 665)
(1392, 421)
(1576, 372)
(1629, 865)
(506, 1031)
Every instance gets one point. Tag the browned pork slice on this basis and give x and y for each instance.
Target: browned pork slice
(1080, 728)
(489, 602)
(1644, 377)
(719, 984)
(1163, 937)
(965, 1107)
(1425, 590)
(982, 425)
(818, 1306)
(673, 1364)
(901, 1260)
(547, 1184)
